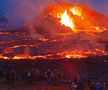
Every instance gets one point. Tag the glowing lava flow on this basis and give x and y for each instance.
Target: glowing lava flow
(62, 55)
(76, 56)
(67, 21)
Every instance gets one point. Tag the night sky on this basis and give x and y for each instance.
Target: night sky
(19, 12)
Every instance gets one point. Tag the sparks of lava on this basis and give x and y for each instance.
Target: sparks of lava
(67, 20)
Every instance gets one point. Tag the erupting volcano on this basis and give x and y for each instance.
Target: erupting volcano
(61, 30)
(68, 17)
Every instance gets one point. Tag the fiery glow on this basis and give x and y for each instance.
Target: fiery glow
(64, 15)
(81, 54)
(65, 54)
(22, 57)
(76, 56)
(76, 11)
(67, 20)
(4, 57)
(75, 18)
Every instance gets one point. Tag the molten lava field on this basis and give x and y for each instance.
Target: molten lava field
(19, 45)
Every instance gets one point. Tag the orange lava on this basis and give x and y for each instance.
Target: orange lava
(65, 54)
(74, 17)
(67, 21)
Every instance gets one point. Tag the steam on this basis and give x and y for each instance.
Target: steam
(34, 35)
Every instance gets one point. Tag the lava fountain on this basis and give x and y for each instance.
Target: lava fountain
(67, 21)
